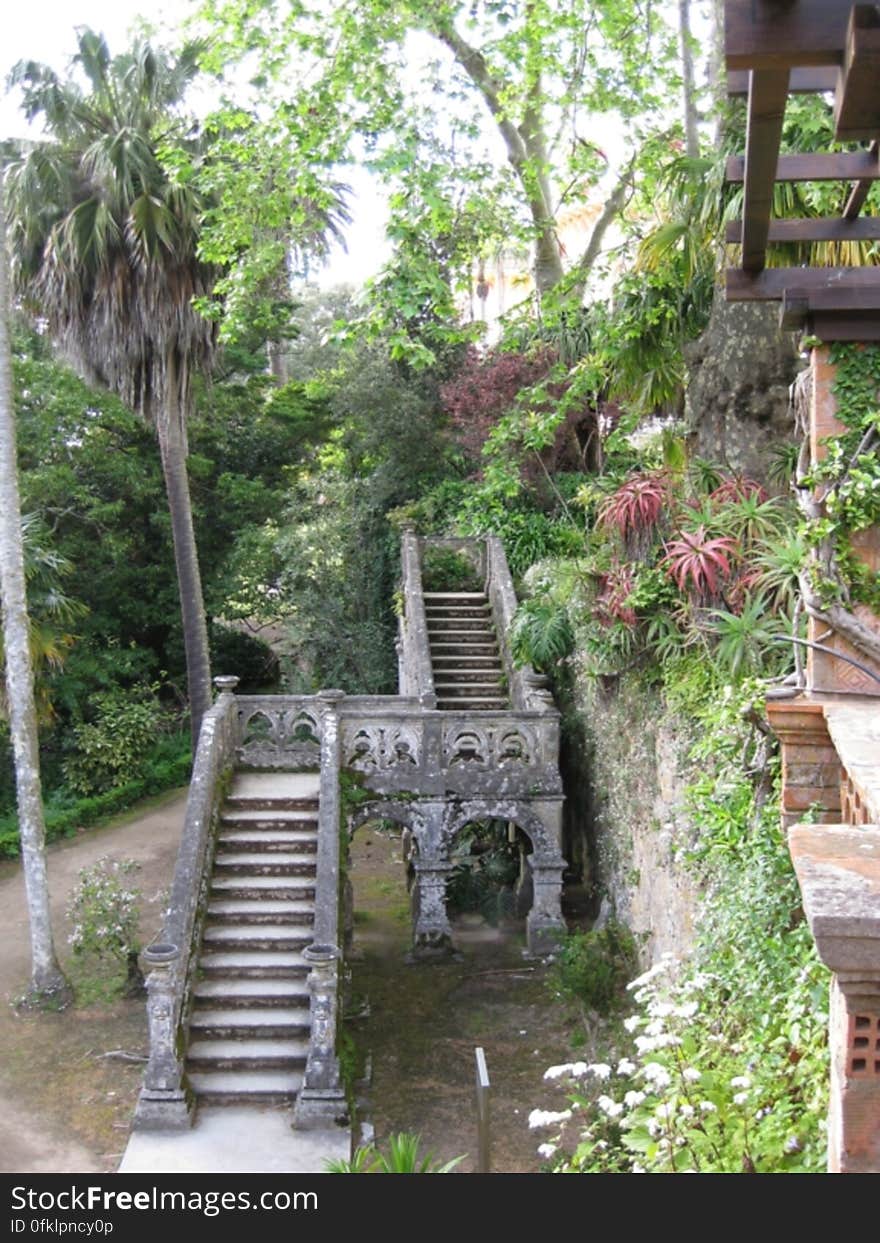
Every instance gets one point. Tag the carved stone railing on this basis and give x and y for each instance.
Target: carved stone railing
(164, 1102)
(398, 747)
(416, 677)
(321, 1100)
(502, 598)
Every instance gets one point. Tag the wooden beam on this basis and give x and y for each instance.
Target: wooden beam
(780, 34)
(859, 192)
(800, 304)
(852, 326)
(835, 166)
(857, 100)
(857, 288)
(768, 93)
(819, 229)
(829, 325)
(809, 81)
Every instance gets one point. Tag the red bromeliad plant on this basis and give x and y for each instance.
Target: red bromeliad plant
(737, 488)
(615, 589)
(697, 562)
(638, 505)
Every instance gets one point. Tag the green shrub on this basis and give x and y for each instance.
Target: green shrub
(443, 569)
(541, 634)
(403, 1157)
(245, 656)
(592, 968)
(111, 749)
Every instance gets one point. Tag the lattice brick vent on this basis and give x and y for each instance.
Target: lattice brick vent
(864, 1044)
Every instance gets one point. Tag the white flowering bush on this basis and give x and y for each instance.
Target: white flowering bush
(104, 911)
(698, 1092)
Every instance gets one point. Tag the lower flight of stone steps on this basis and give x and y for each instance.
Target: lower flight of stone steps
(239, 1087)
(250, 1020)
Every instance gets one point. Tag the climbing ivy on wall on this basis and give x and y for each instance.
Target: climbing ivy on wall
(851, 470)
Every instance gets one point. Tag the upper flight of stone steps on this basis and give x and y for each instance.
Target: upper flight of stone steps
(465, 660)
(249, 1030)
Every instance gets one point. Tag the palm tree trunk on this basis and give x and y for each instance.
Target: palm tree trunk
(172, 446)
(48, 984)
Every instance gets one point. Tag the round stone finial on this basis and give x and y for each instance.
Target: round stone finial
(320, 954)
(160, 954)
(226, 684)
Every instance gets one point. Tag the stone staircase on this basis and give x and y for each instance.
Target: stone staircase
(249, 1029)
(465, 658)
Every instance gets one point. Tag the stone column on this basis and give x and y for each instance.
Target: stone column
(164, 1103)
(432, 934)
(838, 868)
(545, 926)
(811, 771)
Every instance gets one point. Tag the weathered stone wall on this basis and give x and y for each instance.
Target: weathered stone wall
(625, 774)
(739, 373)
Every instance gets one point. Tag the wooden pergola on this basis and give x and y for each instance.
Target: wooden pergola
(775, 48)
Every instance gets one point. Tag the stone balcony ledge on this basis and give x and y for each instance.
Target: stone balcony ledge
(838, 868)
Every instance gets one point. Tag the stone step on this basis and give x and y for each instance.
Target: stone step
(267, 840)
(466, 681)
(453, 658)
(248, 803)
(255, 936)
(295, 787)
(265, 911)
(470, 690)
(466, 651)
(263, 863)
(258, 996)
(253, 964)
(447, 626)
(294, 819)
(277, 1023)
(273, 888)
(267, 1087)
(238, 1055)
(467, 677)
(464, 613)
(460, 704)
(454, 595)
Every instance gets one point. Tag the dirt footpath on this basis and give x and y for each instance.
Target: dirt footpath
(64, 1105)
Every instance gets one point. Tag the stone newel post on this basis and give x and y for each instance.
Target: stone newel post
(321, 1100)
(163, 1103)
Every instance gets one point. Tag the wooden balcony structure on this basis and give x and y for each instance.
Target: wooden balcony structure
(775, 48)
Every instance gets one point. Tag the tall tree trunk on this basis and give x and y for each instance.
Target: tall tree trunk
(692, 138)
(525, 150)
(48, 984)
(172, 446)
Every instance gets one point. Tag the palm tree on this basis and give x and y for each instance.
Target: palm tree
(104, 241)
(47, 980)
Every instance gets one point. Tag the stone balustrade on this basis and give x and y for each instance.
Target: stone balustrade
(164, 1102)
(434, 771)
